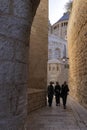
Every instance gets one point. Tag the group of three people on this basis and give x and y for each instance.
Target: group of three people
(59, 91)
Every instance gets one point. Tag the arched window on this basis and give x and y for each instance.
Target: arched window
(57, 53)
(61, 24)
(53, 68)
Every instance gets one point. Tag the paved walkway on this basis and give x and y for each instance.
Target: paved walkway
(74, 117)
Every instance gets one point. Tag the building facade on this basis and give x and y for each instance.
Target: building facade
(57, 51)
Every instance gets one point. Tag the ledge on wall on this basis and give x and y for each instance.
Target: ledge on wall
(33, 90)
(36, 99)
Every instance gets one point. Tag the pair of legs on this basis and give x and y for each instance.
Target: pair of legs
(57, 100)
(50, 99)
(64, 98)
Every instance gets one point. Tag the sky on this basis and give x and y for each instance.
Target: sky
(56, 9)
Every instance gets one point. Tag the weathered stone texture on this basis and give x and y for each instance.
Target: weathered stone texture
(22, 52)
(4, 6)
(22, 8)
(6, 48)
(38, 56)
(15, 25)
(77, 45)
(15, 28)
(6, 72)
(36, 99)
(38, 48)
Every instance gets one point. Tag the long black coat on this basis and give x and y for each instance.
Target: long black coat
(57, 90)
(50, 90)
(64, 90)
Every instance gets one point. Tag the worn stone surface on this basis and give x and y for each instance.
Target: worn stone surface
(38, 48)
(6, 48)
(38, 57)
(74, 117)
(4, 6)
(21, 52)
(15, 25)
(6, 72)
(21, 73)
(77, 46)
(36, 99)
(22, 8)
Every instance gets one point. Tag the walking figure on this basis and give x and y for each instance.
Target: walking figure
(64, 93)
(57, 93)
(50, 94)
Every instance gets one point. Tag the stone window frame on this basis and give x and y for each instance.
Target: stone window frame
(58, 49)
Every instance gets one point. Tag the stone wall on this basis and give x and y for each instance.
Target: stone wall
(36, 99)
(38, 48)
(15, 24)
(59, 74)
(77, 46)
(38, 52)
(63, 76)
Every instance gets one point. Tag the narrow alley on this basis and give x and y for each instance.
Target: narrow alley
(74, 117)
(43, 41)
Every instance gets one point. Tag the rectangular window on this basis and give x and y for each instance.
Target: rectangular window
(55, 27)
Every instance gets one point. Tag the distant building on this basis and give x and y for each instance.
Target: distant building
(57, 50)
(60, 27)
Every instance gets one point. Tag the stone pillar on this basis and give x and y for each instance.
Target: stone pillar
(77, 46)
(15, 24)
(38, 58)
(39, 48)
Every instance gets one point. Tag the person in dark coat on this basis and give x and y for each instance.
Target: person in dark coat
(50, 94)
(57, 93)
(64, 93)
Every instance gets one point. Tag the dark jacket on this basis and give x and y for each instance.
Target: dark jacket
(64, 90)
(50, 90)
(57, 90)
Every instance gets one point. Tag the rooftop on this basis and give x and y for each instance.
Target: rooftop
(64, 17)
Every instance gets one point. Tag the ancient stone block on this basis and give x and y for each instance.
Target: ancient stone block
(21, 73)
(38, 48)
(77, 46)
(22, 8)
(15, 28)
(21, 52)
(4, 6)
(7, 48)
(7, 72)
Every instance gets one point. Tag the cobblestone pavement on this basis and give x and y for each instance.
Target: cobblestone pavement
(74, 117)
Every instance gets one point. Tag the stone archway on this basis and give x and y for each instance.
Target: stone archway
(38, 58)
(16, 17)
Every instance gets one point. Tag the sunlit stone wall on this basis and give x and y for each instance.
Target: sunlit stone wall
(77, 46)
(38, 55)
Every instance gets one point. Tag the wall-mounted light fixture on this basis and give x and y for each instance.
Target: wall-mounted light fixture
(65, 61)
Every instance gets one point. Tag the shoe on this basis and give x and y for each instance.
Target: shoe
(49, 105)
(64, 107)
(59, 104)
